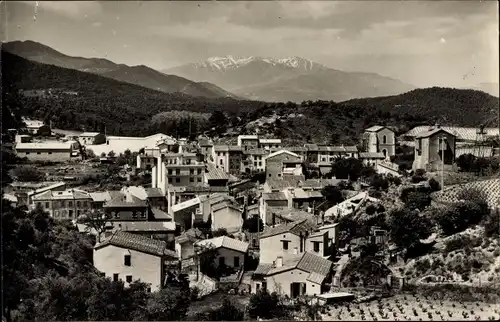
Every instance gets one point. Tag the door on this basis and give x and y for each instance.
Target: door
(222, 261)
(294, 290)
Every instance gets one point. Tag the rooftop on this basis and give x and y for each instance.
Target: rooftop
(296, 228)
(374, 128)
(90, 134)
(224, 242)
(140, 226)
(371, 155)
(69, 194)
(45, 146)
(215, 173)
(138, 243)
(425, 134)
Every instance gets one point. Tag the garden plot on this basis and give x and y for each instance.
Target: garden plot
(412, 308)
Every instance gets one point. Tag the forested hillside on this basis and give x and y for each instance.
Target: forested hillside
(83, 100)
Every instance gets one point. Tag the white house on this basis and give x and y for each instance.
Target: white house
(230, 252)
(303, 274)
(129, 257)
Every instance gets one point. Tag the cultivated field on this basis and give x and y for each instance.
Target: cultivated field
(412, 308)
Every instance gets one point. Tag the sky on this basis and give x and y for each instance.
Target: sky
(423, 43)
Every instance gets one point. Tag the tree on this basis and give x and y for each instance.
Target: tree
(418, 200)
(466, 162)
(408, 227)
(95, 220)
(435, 186)
(333, 194)
(218, 121)
(266, 306)
(379, 182)
(219, 232)
(90, 153)
(459, 216)
(28, 174)
(226, 312)
(169, 304)
(253, 225)
(111, 154)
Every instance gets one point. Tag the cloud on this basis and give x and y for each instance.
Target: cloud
(75, 10)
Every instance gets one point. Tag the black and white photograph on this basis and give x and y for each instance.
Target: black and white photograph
(250, 160)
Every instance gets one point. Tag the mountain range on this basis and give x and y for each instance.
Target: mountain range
(287, 79)
(139, 75)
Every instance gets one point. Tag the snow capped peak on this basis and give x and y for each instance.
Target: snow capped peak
(232, 62)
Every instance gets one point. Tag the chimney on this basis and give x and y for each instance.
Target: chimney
(279, 261)
(437, 126)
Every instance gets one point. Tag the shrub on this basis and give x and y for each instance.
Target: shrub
(28, 173)
(435, 186)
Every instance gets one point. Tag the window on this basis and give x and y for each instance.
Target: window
(47, 205)
(323, 159)
(316, 246)
(49, 152)
(78, 213)
(115, 277)
(39, 153)
(269, 175)
(85, 204)
(169, 180)
(142, 214)
(384, 139)
(27, 153)
(419, 147)
(178, 171)
(127, 260)
(199, 171)
(177, 180)
(285, 244)
(191, 171)
(169, 171)
(70, 213)
(221, 162)
(236, 261)
(222, 261)
(191, 179)
(63, 204)
(255, 164)
(70, 204)
(78, 204)
(128, 278)
(254, 242)
(260, 164)
(199, 179)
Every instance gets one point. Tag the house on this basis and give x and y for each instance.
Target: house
(178, 194)
(282, 163)
(371, 158)
(215, 176)
(36, 127)
(68, 204)
(90, 138)
(253, 160)
(119, 144)
(227, 215)
(48, 151)
(333, 232)
(268, 144)
(25, 191)
(270, 203)
(380, 139)
(463, 134)
(285, 240)
(178, 169)
(228, 158)
(230, 252)
(301, 274)
(130, 257)
(124, 206)
(151, 229)
(429, 149)
(248, 142)
(23, 138)
(153, 196)
(184, 244)
(206, 147)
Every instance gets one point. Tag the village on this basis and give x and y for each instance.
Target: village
(253, 215)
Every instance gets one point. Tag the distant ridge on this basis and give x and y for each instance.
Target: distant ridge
(287, 79)
(138, 75)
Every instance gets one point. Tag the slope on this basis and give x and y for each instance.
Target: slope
(74, 99)
(138, 75)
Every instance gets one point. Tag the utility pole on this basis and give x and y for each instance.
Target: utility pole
(442, 142)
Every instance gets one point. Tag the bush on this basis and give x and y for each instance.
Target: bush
(459, 216)
(435, 186)
(457, 242)
(418, 200)
(28, 174)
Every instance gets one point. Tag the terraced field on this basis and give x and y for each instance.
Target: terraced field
(490, 187)
(413, 308)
